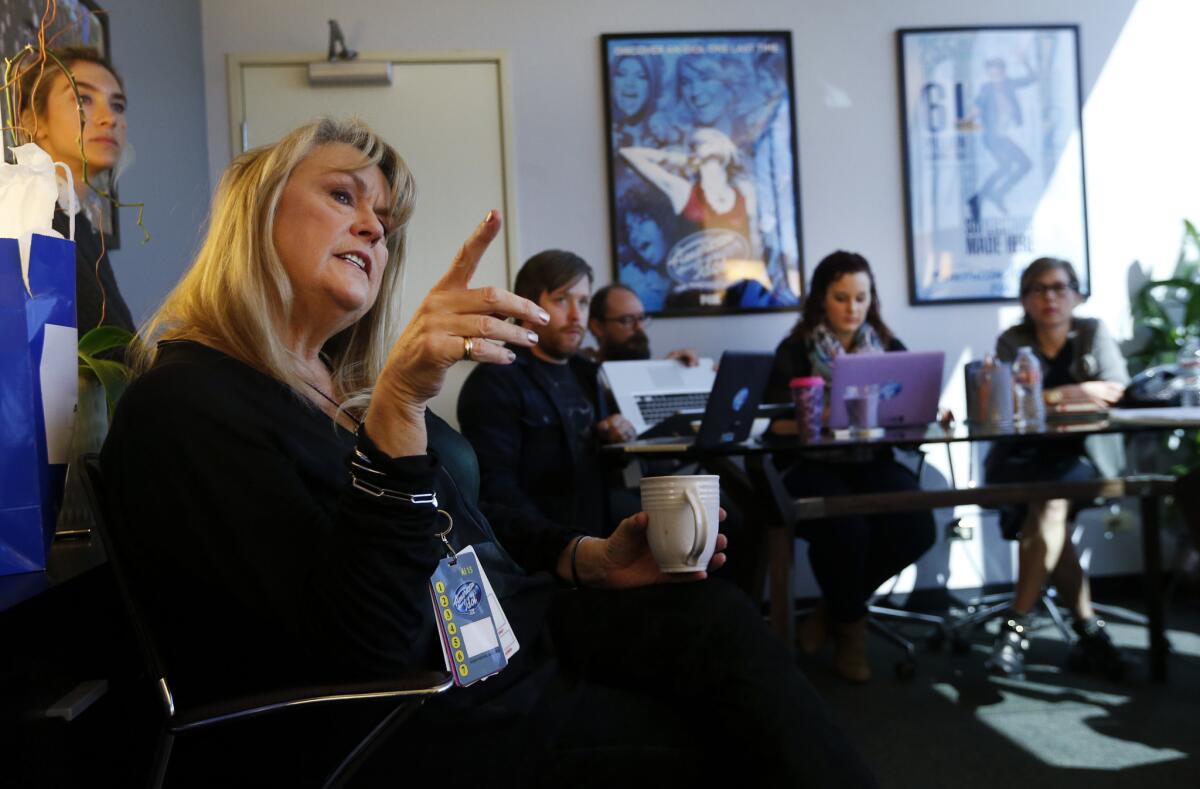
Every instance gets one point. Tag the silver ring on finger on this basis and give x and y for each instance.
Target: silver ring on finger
(468, 346)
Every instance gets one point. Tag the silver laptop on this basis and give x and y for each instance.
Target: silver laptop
(649, 391)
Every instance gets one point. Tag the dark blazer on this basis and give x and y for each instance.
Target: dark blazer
(527, 458)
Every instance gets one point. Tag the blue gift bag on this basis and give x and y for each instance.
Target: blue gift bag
(38, 388)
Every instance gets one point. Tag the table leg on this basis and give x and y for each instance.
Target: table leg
(783, 596)
(781, 546)
(1155, 605)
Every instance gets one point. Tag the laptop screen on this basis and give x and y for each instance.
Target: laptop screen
(910, 384)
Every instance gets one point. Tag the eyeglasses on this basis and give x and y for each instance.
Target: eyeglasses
(629, 321)
(1058, 289)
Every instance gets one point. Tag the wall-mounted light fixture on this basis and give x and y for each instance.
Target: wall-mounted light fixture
(342, 66)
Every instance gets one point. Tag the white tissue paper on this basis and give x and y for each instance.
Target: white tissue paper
(28, 191)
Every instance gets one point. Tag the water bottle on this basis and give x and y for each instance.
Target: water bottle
(1189, 370)
(1030, 410)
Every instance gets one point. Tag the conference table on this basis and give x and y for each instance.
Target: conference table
(757, 485)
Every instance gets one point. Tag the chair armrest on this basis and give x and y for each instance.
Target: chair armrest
(412, 687)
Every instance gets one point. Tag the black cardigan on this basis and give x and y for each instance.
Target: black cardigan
(262, 565)
(94, 278)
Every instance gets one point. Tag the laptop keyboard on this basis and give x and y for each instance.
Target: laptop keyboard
(656, 407)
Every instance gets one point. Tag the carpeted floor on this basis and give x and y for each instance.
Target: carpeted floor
(953, 725)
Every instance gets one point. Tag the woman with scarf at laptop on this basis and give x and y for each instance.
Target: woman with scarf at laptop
(850, 556)
(274, 469)
(1081, 364)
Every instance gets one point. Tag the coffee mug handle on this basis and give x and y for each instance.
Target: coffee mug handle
(701, 531)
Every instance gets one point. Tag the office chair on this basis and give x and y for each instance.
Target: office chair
(780, 505)
(409, 692)
(982, 609)
(879, 615)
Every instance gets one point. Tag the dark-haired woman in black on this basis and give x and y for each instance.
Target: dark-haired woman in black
(850, 556)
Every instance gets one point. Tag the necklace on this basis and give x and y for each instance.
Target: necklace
(336, 404)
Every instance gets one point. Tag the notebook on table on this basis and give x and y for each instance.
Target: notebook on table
(910, 384)
(729, 413)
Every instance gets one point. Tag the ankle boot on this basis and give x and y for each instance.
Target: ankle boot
(1008, 651)
(1095, 651)
(850, 650)
(814, 630)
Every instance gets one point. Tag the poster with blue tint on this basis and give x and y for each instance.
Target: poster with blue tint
(993, 158)
(703, 182)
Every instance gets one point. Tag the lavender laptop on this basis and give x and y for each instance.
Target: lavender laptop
(909, 385)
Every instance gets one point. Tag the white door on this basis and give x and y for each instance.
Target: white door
(446, 114)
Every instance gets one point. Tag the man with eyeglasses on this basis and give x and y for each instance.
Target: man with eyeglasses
(618, 321)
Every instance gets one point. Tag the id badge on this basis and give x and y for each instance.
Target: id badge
(464, 614)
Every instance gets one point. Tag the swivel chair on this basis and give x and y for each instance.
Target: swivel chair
(408, 692)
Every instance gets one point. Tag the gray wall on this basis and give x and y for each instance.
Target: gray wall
(157, 49)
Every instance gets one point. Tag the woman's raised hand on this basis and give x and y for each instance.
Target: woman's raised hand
(452, 324)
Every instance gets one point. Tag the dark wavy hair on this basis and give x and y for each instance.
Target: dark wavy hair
(828, 271)
(549, 270)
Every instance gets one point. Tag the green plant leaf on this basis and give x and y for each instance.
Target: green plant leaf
(113, 376)
(1188, 264)
(104, 338)
(1146, 305)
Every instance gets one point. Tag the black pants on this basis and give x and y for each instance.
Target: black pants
(852, 556)
(678, 683)
(1062, 463)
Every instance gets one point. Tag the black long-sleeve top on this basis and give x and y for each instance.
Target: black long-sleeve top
(259, 560)
(96, 288)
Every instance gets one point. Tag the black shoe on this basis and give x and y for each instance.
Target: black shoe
(1008, 652)
(1095, 651)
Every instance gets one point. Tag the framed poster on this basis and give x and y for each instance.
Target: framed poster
(993, 158)
(73, 23)
(702, 172)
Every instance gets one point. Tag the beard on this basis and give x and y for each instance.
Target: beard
(636, 348)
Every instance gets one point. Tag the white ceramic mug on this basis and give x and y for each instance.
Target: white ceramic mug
(684, 515)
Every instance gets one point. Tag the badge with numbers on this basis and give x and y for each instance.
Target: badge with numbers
(470, 641)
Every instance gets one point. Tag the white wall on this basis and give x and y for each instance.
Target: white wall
(1139, 129)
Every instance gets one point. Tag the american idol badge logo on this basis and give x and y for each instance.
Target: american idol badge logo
(698, 260)
(890, 389)
(740, 398)
(467, 597)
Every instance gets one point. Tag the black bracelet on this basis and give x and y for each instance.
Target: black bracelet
(575, 583)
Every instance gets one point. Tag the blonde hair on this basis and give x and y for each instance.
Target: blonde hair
(236, 294)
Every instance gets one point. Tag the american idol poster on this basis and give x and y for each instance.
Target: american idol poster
(993, 158)
(703, 178)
